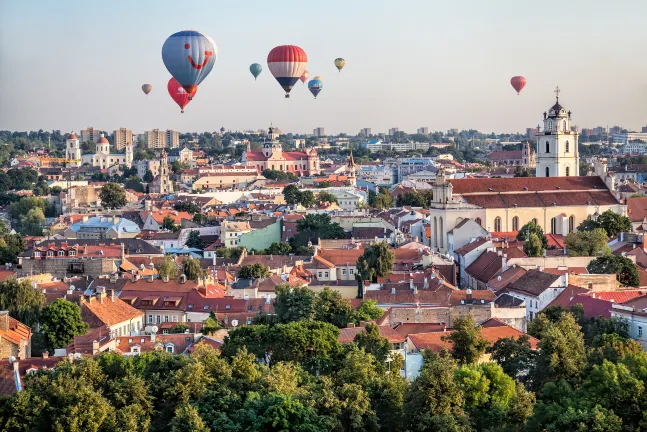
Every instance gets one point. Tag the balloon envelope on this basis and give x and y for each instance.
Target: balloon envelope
(518, 83)
(305, 76)
(315, 86)
(146, 88)
(318, 78)
(179, 94)
(256, 69)
(189, 56)
(340, 62)
(287, 63)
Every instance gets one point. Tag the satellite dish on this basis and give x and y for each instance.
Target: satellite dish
(468, 291)
(72, 287)
(154, 329)
(234, 323)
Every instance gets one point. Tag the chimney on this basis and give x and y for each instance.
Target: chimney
(411, 285)
(111, 293)
(267, 299)
(4, 320)
(350, 325)
(95, 347)
(415, 290)
(45, 354)
(468, 296)
(100, 293)
(151, 278)
(165, 279)
(393, 291)
(362, 323)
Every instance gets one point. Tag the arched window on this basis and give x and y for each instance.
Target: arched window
(547, 146)
(568, 147)
(571, 223)
(497, 224)
(564, 125)
(568, 171)
(478, 221)
(550, 125)
(547, 172)
(435, 232)
(441, 233)
(515, 223)
(553, 226)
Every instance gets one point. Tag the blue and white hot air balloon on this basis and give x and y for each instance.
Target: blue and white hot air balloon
(189, 56)
(315, 85)
(287, 63)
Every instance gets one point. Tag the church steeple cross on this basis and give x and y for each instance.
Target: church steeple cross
(557, 91)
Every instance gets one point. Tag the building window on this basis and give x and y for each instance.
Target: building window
(568, 147)
(169, 349)
(343, 272)
(571, 223)
(564, 126)
(568, 171)
(351, 272)
(550, 125)
(150, 319)
(547, 147)
(478, 221)
(435, 232)
(319, 275)
(36, 254)
(553, 226)
(442, 234)
(50, 253)
(515, 223)
(640, 331)
(158, 319)
(497, 224)
(547, 172)
(72, 253)
(61, 253)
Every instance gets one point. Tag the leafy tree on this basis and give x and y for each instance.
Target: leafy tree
(60, 321)
(383, 200)
(180, 328)
(587, 243)
(21, 207)
(253, 271)
(376, 261)
(307, 199)
(148, 176)
(32, 223)
(278, 249)
(233, 252)
(278, 175)
(532, 228)
(533, 247)
(514, 355)
(189, 207)
(187, 419)
(169, 224)
(467, 343)
(192, 268)
(113, 196)
(194, 240)
(367, 311)
(329, 306)
(313, 227)
(622, 266)
(326, 197)
(293, 304)
(23, 302)
(292, 194)
(168, 268)
(373, 342)
(41, 188)
(614, 223)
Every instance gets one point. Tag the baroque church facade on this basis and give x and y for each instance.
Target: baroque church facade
(102, 158)
(272, 157)
(557, 199)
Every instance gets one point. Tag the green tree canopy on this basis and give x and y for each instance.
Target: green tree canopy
(194, 240)
(532, 228)
(168, 268)
(467, 343)
(587, 243)
(23, 301)
(113, 196)
(376, 261)
(612, 222)
(621, 266)
(192, 268)
(533, 247)
(60, 321)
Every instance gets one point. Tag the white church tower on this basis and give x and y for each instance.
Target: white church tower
(557, 154)
(73, 151)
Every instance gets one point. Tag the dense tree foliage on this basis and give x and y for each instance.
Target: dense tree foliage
(253, 271)
(612, 222)
(194, 240)
(381, 200)
(314, 227)
(623, 267)
(587, 243)
(532, 228)
(192, 268)
(113, 196)
(60, 321)
(278, 175)
(23, 302)
(376, 261)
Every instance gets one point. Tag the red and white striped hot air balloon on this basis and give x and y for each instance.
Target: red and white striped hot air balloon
(287, 63)
(304, 77)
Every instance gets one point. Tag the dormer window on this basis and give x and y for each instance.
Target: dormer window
(72, 253)
(36, 254)
(61, 253)
(50, 253)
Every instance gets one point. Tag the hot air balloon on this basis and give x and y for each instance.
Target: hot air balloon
(315, 85)
(189, 56)
(256, 70)
(305, 76)
(518, 83)
(340, 62)
(146, 88)
(179, 94)
(318, 78)
(287, 63)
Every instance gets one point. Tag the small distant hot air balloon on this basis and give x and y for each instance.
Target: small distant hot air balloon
(305, 76)
(518, 83)
(315, 85)
(179, 94)
(189, 56)
(340, 62)
(256, 70)
(287, 63)
(146, 88)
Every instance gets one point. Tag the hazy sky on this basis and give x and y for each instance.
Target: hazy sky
(441, 64)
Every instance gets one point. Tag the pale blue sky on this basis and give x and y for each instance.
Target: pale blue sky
(441, 64)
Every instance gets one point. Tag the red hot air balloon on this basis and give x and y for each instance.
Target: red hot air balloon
(518, 83)
(178, 94)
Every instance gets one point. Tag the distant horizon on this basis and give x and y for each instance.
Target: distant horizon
(412, 65)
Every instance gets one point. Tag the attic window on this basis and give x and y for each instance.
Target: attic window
(558, 187)
(482, 301)
(227, 306)
(490, 189)
(206, 307)
(462, 301)
(190, 306)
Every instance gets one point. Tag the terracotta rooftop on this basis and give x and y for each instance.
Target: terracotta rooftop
(533, 282)
(107, 311)
(519, 184)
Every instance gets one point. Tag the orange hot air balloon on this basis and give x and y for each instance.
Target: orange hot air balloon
(518, 83)
(178, 94)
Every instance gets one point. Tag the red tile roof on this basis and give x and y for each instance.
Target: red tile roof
(470, 246)
(107, 311)
(637, 208)
(565, 298)
(517, 184)
(485, 266)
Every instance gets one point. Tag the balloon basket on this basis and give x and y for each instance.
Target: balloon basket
(287, 96)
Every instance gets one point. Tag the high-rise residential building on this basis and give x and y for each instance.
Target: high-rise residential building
(423, 130)
(644, 129)
(531, 132)
(365, 132)
(123, 137)
(392, 131)
(615, 130)
(90, 135)
(154, 139)
(172, 139)
(318, 132)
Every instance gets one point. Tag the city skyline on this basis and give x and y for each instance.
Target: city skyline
(438, 66)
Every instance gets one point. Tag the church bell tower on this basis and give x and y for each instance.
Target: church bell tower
(557, 154)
